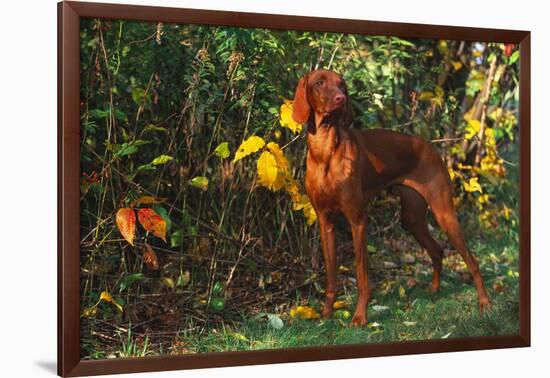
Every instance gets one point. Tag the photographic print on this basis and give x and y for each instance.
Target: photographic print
(259, 189)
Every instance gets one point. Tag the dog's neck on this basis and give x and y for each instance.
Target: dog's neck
(324, 134)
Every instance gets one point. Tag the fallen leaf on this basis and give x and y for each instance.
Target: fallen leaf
(304, 312)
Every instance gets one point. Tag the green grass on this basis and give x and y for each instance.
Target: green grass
(407, 313)
(420, 315)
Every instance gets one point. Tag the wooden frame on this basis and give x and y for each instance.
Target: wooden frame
(69, 14)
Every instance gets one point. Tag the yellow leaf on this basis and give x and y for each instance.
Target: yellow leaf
(472, 128)
(338, 305)
(286, 117)
(425, 96)
(311, 215)
(483, 199)
(456, 64)
(304, 312)
(472, 186)
(402, 292)
(278, 154)
(293, 190)
(105, 296)
(267, 170)
(249, 146)
(283, 168)
(148, 200)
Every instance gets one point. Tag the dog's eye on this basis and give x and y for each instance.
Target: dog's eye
(319, 83)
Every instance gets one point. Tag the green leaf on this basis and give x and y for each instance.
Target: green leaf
(513, 58)
(176, 239)
(217, 304)
(275, 321)
(97, 113)
(222, 150)
(145, 167)
(217, 288)
(152, 127)
(162, 159)
(125, 150)
(129, 280)
(128, 148)
(200, 182)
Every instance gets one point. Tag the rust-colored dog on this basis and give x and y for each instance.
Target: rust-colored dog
(345, 168)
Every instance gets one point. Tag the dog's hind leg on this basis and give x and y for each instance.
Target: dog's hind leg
(413, 219)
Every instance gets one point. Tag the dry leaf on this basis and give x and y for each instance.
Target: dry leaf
(152, 222)
(126, 223)
(150, 258)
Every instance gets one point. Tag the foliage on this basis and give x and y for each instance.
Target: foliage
(187, 131)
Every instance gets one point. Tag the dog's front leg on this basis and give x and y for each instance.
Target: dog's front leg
(358, 232)
(328, 243)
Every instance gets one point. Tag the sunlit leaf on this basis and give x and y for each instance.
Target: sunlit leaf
(338, 305)
(162, 159)
(304, 312)
(267, 170)
(200, 182)
(472, 128)
(222, 151)
(126, 223)
(152, 222)
(286, 119)
(278, 154)
(472, 185)
(249, 146)
(105, 296)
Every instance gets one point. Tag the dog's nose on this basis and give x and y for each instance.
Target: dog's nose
(339, 98)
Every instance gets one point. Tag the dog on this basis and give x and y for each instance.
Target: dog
(346, 168)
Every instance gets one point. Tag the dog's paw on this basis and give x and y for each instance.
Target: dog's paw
(484, 305)
(358, 321)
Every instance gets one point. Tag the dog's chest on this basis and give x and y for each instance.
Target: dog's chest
(330, 182)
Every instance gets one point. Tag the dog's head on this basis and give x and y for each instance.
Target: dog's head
(322, 94)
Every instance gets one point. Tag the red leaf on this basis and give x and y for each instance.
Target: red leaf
(508, 49)
(152, 222)
(126, 223)
(150, 258)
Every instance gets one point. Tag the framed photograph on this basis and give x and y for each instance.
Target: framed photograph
(239, 188)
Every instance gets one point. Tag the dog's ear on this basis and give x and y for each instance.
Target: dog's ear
(348, 112)
(301, 107)
(348, 117)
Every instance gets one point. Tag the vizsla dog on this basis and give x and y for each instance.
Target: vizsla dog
(346, 168)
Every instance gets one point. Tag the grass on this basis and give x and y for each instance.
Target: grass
(419, 315)
(397, 313)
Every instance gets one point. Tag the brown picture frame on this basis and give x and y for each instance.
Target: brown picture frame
(69, 14)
